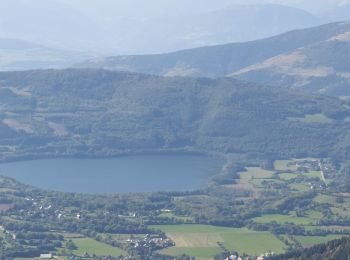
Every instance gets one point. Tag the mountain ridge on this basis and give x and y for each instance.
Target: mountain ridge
(229, 59)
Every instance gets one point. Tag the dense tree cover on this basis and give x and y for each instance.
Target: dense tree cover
(103, 113)
(334, 250)
(20, 251)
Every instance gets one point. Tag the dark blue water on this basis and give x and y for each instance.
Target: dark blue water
(122, 174)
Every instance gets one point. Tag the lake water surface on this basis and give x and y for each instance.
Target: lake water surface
(121, 174)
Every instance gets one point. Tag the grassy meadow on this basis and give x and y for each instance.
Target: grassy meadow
(91, 246)
(202, 240)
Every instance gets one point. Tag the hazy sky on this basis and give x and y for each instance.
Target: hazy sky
(148, 26)
(147, 8)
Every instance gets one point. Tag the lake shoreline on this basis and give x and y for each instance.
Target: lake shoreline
(118, 154)
(129, 173)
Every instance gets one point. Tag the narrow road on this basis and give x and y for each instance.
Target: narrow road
(322, 173)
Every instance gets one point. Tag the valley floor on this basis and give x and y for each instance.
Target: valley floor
(262, 211)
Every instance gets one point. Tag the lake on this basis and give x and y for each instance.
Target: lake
(116, 175)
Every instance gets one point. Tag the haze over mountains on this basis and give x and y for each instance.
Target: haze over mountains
(226, 81)
(314, 59)
(120, 34)
(231, 24)
(340, 13)
(48, 23)
(124, 29)
(22, 55)
(297, 60)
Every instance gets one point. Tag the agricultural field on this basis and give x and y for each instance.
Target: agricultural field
(322, 198)
(288, 176)
(298, 176)
(282, 219)
(314, 174)
(91, 246)
(308, 220)
(287, 207)
(285, 172)
(6, 190)
(201, 253)
(256, 173)
(252, 179)
(308, 241)
(316, 215)
(300, 187)
(307, 176)
(202, 240)
(283, 165)
(312, 118)
(37, 258)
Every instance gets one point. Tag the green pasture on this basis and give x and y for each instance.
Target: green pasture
(191, 238)
(91, 246)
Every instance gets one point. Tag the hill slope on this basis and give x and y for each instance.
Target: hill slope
(94, 112)
(314, 59)
(333, 250)
(322, 67)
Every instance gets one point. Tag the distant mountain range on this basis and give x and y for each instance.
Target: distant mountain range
(62, 26)
(340, 13)
(99, 112)
(235, 23)
(314, 59)
(319, 67)
(59, 25)
(47, 23)
(23, 55)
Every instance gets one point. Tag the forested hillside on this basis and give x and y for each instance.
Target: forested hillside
(334, 250)
(96, 112)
